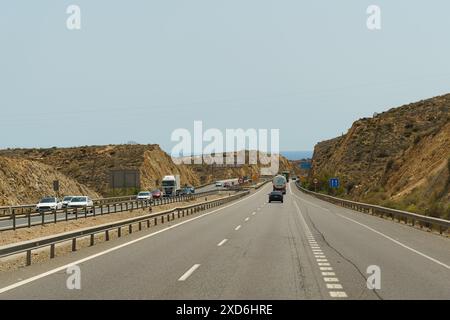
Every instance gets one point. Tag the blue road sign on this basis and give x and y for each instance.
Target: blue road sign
(334, 183)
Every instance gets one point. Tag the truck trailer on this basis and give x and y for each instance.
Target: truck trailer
(279, 183)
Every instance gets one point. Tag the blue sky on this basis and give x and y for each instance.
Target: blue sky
(137, 70)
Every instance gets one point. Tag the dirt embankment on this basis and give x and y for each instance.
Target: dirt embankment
(92, 165)
(399, 158)
(24, 182)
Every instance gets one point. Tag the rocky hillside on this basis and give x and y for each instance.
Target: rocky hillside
(25, 182)
(91, 165)
(399, 158)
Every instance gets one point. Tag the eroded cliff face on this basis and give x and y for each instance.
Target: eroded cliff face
(399, 156)
(25, 182)
(90, 166)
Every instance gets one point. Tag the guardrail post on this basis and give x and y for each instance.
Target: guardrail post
(74, 244)
(91, 242)
(29, 219)
(54, 216)
(14, 219)
(162, 219)
(42, 217)
(85, 211)
(52, 251)
(28, 258)
(140, 225)
(148, 223)
(119, 232)
(107, 235)
(156, 221)
(76, 213)
(130, 229)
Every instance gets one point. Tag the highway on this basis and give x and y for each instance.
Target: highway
(303, 248)
(49, 218)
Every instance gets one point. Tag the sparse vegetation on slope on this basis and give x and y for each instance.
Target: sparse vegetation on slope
(399, 158)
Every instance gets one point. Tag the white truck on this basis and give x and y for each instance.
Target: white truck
(171, 185)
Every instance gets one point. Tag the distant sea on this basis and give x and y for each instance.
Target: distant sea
(297, 155)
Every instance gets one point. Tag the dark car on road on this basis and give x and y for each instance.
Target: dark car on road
(276, 196)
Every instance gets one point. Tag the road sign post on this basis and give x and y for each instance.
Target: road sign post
(315, 184)
(56, 187)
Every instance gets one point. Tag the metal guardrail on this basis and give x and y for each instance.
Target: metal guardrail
(407, 217)
(34, 218)
(26, 208)
(149, 220)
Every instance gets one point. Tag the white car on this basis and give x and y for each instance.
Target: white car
(219, 184)
(144, 195)
(80, 202)
(49, 203)
(66, 201)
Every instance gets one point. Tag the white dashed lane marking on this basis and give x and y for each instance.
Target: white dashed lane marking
(334, 286)
(329, 277)
(189, 272)
(338, 294)
(246, 219)
(237, 228)
(221, 243)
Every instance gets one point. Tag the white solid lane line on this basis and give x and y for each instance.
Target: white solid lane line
(397, 242)
(310, 203)
(237, 228)
(189, 272)
(221, 243)
(101, 253)
(383, 235)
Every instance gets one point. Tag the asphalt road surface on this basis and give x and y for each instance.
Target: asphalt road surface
(303, 248)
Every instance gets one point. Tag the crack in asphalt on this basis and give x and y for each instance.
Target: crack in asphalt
(341, 255)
